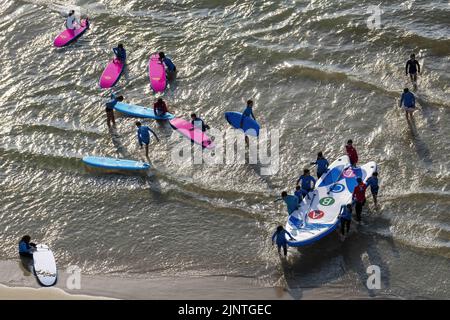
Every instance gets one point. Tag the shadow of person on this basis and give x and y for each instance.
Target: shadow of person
(359, 252)
(427, 112)
(420, 146)
(26, 265)
(117, 142)
(318, 264)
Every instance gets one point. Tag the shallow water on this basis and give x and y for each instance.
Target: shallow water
(316, 73)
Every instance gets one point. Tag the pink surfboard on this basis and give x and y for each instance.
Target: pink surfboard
(69, 35)
(111, 74)
(157, 73)
(185, 128)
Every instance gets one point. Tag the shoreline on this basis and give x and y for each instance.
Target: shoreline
(17, 283)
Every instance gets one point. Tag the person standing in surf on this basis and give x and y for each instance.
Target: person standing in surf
(143, 134)
(298, 193)
(26, 247)
(198, 123)
(351, 152)
(171, 68)
(160, 107)
(412, 68)
(120, 53)
(110, 109)
(359, 196)
(306, 182)
(322, 165)
(373, 183)
(279, 236)
(345, 219)
(292, 202)
(408, 101)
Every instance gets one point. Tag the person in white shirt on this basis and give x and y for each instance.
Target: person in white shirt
(71, 21)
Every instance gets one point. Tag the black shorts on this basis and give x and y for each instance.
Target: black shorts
(109, 110)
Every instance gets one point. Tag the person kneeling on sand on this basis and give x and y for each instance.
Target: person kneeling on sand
(26, 247)
(280, 236)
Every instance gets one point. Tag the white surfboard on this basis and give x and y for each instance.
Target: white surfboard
(319, 215)
(44, 266)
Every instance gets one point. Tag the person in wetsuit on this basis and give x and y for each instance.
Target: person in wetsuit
(26, 247)
(306, 182)
(279, 236)
(322, 165)
(120, 53)
(110, 109)
(412, 68)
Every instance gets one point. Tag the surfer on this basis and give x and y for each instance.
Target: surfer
(71, 21)
(359, 196)
(26, 247)
(280, 236)
(351, 152)
(120, 53)
(412, 68)
(171, 68)
(408, 101)
(160, 107)
(373, 183)
(322, 165)
(110, 109)
(291, 202)
(144, 136)
(345, 217)
(198, 123)
(248, 112)
(306, 182)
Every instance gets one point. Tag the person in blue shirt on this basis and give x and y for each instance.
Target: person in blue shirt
(248, 112)
(306, 182)
(298, 193)
(110, 109)
(198, 123)
(322, 165)
(292, 202)
(408, 101)
(345, 217)
(279, 236)
(143, 134)
(171, 68)
(373, 183)
(26, 247)
(120, 53)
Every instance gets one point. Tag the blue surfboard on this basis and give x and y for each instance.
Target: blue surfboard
(249, 126)
(140, 112)
(116, 164)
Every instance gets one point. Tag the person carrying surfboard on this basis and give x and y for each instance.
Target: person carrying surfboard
(171, 68)
(143, 134)
(160, 107)
(351, 152)
(322, 165)
(280, 237)
(26, 247)
(292, 202)
(298, 193)
(306, 182)
(359, 196)
(120, 53)
(345, 219)
(198, 123)
(71, 22)
(110, 109)
(408, 100)
(373, 183)
(412, 68)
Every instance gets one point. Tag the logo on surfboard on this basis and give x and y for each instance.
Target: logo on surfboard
(316, 214)
(327, 201)
(337, 188)
(349, 173)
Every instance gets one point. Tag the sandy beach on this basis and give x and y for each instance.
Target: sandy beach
(19, 284)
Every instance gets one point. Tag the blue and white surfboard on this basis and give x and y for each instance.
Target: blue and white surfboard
(318, 215)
